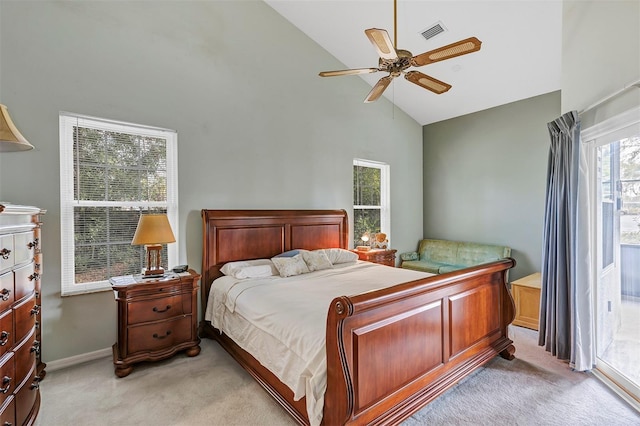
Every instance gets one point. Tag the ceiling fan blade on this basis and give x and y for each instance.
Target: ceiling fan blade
(377, 90)
(458, 48)
(348, 72)
(429, 83)
(381, 41)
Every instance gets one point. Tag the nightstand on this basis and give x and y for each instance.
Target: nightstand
(381, 256)
(157, 317)
(526, 296)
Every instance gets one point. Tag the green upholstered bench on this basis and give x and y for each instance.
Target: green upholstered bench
(440, 256)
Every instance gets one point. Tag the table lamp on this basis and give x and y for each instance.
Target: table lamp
(153, 231)
(10, 137)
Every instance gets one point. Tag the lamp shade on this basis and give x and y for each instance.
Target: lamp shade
(153, 229)
(10, 137)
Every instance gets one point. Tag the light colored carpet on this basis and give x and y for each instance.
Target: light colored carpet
(211, 389)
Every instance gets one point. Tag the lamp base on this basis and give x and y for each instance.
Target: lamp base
(152, 273)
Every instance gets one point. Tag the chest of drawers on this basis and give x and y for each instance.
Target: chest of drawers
(21, 366)
(156, 318)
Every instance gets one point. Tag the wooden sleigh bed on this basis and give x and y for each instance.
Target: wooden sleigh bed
(389, 352)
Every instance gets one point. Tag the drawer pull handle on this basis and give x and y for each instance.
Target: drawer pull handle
(6, 382)
(36, 382)
(5, 253)
(155, 335)
(4, 337)
(34, 276)
(34, 243)
(5, 294)
(35, 310)
(8, 424)
(36, 347)
(155, 309)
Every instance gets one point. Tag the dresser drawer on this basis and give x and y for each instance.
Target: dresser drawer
(7, 292)
(24, 244)
(25, 356)
(6, 331)
(6, 252)
(25, 280)
(26, 397)
(24, 316)
(8, 380)
(156, 336)
(158, 309)
(8, 412)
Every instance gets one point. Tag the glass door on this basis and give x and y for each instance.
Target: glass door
(617, 258)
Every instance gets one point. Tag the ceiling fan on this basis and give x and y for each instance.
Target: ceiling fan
(397, 61)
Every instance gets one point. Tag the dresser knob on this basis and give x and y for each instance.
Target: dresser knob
(34, 276)
(4, 294)
(155, 309)
(34, 243)
(6, 383)
(5, 253)
(35, 310)
(36, 347)
(4, 337)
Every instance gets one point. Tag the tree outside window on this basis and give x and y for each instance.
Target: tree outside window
(370, 199)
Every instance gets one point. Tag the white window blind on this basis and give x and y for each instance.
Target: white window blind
(371, 210)
(110, 173)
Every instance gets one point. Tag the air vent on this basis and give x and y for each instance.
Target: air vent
(433, 31)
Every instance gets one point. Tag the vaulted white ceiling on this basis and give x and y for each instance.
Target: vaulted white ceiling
(520, 55)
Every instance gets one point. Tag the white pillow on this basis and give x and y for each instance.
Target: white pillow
(338, 255)
(316, 260)
(290, 266)
(249, 269)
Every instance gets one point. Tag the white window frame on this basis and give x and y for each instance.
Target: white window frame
(67, 202)
(385, 199)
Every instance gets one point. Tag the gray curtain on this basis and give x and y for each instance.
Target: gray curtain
(565, 299)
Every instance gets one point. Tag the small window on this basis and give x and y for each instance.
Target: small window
(370, 199)
(110, 173)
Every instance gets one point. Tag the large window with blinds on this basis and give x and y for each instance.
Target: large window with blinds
(111, 173)
(370, 200)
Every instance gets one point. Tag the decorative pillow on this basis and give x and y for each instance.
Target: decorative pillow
(289, 253)
(290, 266)
(316, 260)
(249, 269)
(338, 255)
(410, 256)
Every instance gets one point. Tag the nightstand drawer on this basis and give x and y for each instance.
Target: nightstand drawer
(158, 309)
(156, 336)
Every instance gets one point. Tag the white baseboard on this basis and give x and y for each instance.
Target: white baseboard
(59, 364)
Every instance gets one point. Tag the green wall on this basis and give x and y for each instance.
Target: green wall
(485, 178)
(257, 127)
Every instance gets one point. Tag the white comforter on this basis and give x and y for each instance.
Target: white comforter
(282, 321)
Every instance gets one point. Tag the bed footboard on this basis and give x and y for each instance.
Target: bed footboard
(392, 351)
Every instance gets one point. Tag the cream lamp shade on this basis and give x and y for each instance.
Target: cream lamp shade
(153, 230)
(11, 139)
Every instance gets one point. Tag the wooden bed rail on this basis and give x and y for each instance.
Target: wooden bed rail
(392, 351)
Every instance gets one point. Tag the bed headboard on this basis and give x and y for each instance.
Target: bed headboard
(230, 235)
